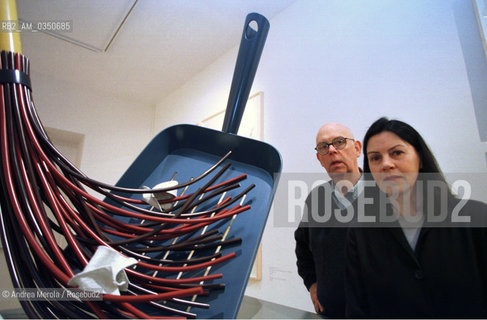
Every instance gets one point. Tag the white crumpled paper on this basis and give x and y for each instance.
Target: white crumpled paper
(104, 272)
(154, 198)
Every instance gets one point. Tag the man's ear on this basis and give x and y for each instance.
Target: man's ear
(318, 157)
(358, 147)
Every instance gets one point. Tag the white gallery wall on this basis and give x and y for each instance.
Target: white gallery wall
(350, 62)
(115, 130)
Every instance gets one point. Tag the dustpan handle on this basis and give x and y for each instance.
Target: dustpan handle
(251, 46)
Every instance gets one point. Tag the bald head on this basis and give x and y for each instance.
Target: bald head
(333, 129)
(339, 163)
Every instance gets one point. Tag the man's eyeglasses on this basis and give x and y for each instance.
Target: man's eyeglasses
(339, 143)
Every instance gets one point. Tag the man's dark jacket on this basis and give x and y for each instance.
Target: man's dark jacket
(320, 247)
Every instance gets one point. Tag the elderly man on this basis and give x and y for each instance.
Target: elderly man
(320, 250)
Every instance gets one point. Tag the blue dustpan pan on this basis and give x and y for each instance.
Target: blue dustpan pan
(190, 150)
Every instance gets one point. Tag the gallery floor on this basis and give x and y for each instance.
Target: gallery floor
(251, 308)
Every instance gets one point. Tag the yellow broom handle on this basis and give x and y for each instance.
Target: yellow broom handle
(9, 40)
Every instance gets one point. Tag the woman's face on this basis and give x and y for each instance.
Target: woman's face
(394, 163)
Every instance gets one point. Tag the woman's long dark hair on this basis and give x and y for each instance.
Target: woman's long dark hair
(430, 170)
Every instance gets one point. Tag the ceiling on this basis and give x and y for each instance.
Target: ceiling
(139, 50)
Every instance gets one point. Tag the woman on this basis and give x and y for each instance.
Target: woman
(416, 266)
